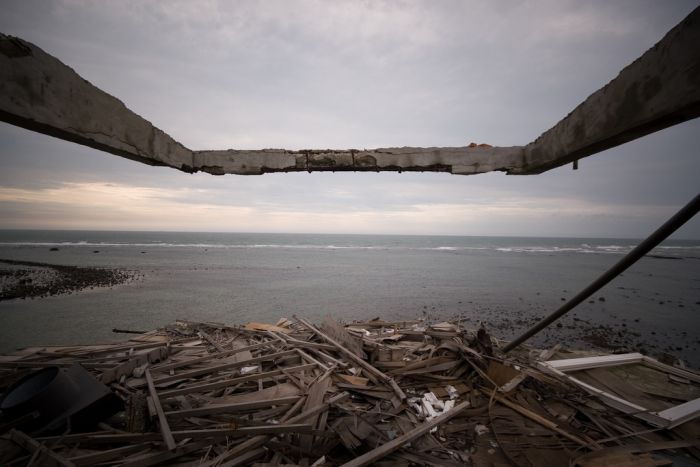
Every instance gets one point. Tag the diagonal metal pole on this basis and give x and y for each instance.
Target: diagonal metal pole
(671, 225)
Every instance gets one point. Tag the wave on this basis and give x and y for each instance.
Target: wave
(549, 249)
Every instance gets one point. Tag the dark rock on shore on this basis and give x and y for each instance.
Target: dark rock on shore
(27, 279)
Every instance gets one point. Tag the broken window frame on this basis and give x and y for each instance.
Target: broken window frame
(667, 418)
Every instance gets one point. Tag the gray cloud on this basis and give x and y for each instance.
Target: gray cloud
(357, 74)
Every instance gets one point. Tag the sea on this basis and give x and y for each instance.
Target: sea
(504, 284)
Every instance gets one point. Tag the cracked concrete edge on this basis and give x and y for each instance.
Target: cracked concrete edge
(40, 93)
(659, 89)
(460, 160)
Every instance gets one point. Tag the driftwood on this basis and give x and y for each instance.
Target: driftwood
(293, 393)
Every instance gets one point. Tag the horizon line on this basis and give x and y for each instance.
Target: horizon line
(338, 234)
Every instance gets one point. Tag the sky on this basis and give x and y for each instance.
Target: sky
(348, 74)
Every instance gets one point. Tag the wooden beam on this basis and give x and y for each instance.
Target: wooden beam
(225, 366)
(47, 456)
(231, 408)
(583, 363)
(395, 444)
(371, 370)
(108, 455)
(258, 441)
(162, 420)
(212, 356)
(233, 381)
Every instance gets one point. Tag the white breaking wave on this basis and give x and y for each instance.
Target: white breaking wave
(584, 248)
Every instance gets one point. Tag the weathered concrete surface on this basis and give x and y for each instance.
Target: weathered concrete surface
(464, 160)
(40, 93)
(659, 89)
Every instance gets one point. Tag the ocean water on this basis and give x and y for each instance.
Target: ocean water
(506, 283)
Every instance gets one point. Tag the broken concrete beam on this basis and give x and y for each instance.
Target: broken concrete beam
(659, 89)
(459, 160)
(39, 93)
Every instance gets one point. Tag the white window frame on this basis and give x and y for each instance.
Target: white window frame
(668, 418)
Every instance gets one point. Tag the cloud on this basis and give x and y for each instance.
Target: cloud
(305, 74)
(127, 207)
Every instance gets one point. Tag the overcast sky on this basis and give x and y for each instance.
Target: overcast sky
(348, 74)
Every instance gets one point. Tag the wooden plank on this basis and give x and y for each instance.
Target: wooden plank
(127, 367)
(422, 364)
(445, 334)
(437, 367)
(681, 413)
(226, 366)
(308, 345)
(315, 396)
(258, 441)
(395, 444)
(107, 455)
(180, 435)
(611, 399)
(265, 327)
(126, 348)
(543, 421)
(244, 431)
(311, 359)
(233, 381)
(683, 373)
(162, 420)
(608, 381)
(354, 380)
(162, 456)
(384, 324)
(338, 332)
(209, 339)
(328, 358)
(584, 363)
(286, 389)
(48, 457)
(23, 364)
(636, 448)
(245, 458)
(231, 408)
(371, 370)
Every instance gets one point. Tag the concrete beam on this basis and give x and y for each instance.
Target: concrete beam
(659, 89)
(39, 93)
(463, 161)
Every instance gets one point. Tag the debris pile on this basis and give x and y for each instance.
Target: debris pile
(354, 394)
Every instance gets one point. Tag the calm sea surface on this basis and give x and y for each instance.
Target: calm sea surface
(505, 283)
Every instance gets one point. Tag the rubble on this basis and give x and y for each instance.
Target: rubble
(355, 394)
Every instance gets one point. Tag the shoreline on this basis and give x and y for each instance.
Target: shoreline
(30, 280)
(651, 309)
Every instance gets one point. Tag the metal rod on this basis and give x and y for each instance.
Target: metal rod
(673, 224)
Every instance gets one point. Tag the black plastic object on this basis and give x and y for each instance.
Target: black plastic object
(59, 398)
